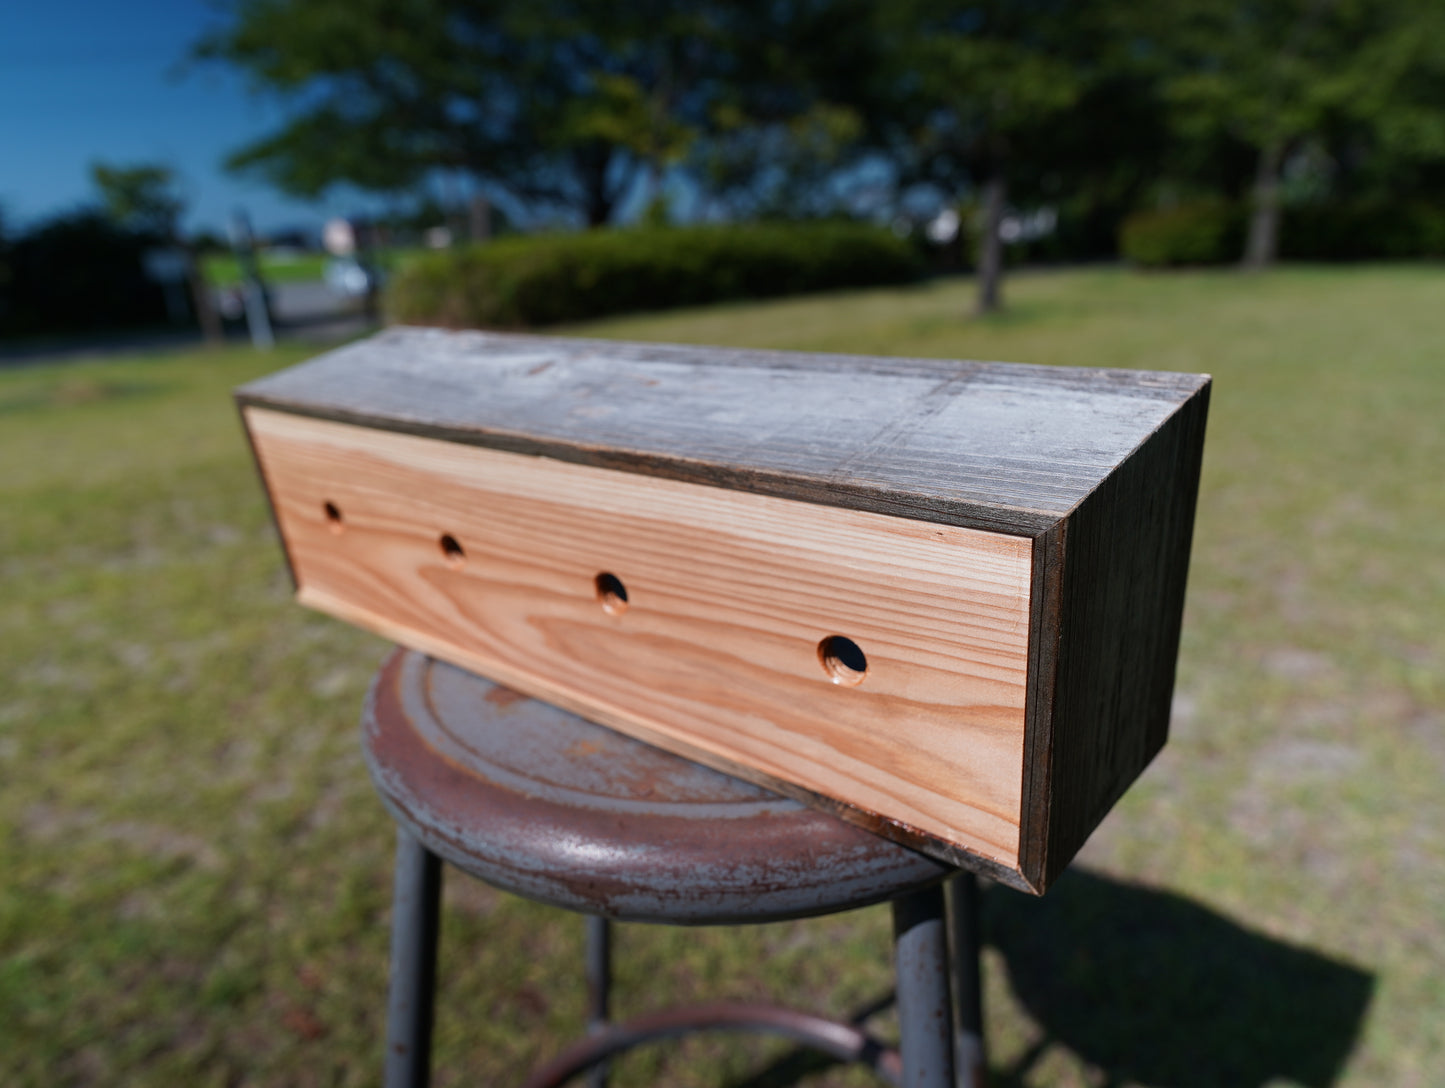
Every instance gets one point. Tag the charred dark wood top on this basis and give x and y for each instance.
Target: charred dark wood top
(997, 446)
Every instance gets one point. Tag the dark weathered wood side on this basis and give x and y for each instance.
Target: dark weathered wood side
(1109, 616)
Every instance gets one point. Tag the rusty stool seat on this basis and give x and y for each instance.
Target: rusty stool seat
(537, 801)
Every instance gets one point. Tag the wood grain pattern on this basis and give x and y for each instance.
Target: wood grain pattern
(729, 596)
(1012, 541)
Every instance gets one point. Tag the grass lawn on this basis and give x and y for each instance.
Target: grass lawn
(196, 873)
(223, 270)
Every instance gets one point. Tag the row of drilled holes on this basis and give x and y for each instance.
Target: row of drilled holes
(842, 658)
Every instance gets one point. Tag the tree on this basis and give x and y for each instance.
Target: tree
(1279, 75)
(565, 103)
(79, 270)
(140, 198)
(143, 199)
(1394, 112)
(577, 105)
(984, 91)
(6, 275)
(798, 109)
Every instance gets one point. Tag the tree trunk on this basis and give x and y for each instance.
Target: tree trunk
(1262, 247)
(479, 218)
(599, 210)
(655, 211)
(990, 245)
(592, 163)
(206, 315)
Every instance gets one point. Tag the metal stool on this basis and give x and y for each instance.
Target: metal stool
(537, 801)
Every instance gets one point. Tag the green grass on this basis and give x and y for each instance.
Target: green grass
(223, 270)
(196, 871)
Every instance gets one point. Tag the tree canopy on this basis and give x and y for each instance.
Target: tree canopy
(770, 106)
(556, 102)
(140, 198)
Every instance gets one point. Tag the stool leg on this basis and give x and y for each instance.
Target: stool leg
(415, 920)
(965, 936)
(599, 986)
(925, 1015)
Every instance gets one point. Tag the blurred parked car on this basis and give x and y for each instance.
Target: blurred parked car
(348, 277)
(231, 302)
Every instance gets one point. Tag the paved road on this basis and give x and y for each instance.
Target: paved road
(303, 311)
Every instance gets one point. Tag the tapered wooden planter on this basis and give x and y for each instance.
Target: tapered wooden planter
(940, 598)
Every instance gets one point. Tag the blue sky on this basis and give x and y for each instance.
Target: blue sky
(87, 80)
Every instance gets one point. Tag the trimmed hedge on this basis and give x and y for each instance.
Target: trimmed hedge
(1212, 232)
(1353, 232)
(527, 281)
(1202, 232)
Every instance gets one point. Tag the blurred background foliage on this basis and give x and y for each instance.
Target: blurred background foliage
(1195, 132)
(816, 107)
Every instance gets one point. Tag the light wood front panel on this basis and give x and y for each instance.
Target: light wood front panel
(729, 593)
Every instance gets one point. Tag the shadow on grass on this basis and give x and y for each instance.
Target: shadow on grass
(1151, 987)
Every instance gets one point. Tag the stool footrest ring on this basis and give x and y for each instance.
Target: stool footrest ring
(845, 1042)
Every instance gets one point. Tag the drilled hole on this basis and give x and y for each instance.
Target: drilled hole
(844, 661)
(452, 549)
(612, 593)
(333, 517)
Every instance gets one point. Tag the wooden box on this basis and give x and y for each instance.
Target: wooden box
(940, 598)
